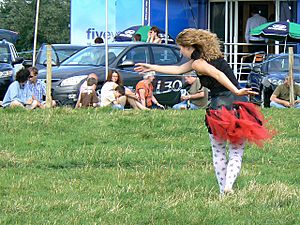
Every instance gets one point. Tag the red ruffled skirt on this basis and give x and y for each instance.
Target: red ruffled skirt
(243, 122)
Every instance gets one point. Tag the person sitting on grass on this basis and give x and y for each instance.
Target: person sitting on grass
(110, 97)
(88, 96)
(281, 96)
(37, 88)
(114, 79)
(144, 91)
(197, 95)
(84, 86)
(16, 94)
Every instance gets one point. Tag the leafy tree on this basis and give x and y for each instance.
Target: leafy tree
(53, 25)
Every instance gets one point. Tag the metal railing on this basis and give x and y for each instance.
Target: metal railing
(238, 60)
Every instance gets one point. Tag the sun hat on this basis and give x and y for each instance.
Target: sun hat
(146, 75)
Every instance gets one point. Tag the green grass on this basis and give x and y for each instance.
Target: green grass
(98, 166)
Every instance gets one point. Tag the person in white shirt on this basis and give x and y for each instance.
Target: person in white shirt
(110, 95)
(252, 22)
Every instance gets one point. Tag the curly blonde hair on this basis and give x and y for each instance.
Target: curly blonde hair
(207, 43)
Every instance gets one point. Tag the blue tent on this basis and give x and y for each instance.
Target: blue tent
(127, 35)
(9, 35)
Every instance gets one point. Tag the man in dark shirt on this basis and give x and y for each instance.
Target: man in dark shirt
(196, 96)
(281, 96)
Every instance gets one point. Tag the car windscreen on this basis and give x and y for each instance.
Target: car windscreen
(4, 54)
(94, 56)
(61, 52)
(42, 55)
(65, 53)
(281, 65)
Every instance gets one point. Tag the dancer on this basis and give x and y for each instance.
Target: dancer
(229, 118)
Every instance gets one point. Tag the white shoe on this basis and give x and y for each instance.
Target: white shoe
(228, 190)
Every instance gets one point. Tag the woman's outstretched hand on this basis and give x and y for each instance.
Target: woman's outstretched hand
(142, 67)
(246, 91)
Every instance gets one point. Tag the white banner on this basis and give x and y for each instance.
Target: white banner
(88, 18)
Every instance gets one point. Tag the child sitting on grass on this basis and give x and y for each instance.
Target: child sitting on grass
(88, 96)
(112, 97)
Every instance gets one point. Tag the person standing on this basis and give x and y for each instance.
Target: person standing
(229, 118)
(252, 22)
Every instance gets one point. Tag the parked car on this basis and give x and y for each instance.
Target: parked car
(266, 76)
(59, 53)
(122, 56)
(10, 63)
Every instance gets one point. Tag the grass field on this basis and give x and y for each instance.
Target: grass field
(99, 166)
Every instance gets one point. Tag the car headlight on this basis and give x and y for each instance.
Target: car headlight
(275, 81)
(6, 73)
(72, 80)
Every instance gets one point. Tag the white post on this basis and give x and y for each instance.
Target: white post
(226, 30)
(149, 15)
(235, 39)
(277, 17)
(167, 22)
(35, 31)
(230, 32)
(143, 13)
(106, 38)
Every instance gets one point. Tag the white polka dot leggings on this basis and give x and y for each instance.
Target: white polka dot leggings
(226, 170)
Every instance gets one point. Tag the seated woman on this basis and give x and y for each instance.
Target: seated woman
(153, 35)
(144, 91)
(17, 95)
(113, 80)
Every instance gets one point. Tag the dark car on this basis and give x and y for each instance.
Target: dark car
(266, 76)
(10, 63)
(59, 53)
(122, 56)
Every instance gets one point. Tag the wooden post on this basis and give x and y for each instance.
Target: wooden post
(291, 76)
(49, 77)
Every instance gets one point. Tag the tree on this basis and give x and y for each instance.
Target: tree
(54, 20)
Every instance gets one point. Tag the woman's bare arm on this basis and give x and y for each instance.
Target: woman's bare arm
(184, 68)
(204, 68)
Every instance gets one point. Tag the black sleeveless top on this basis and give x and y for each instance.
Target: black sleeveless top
(212, 84)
